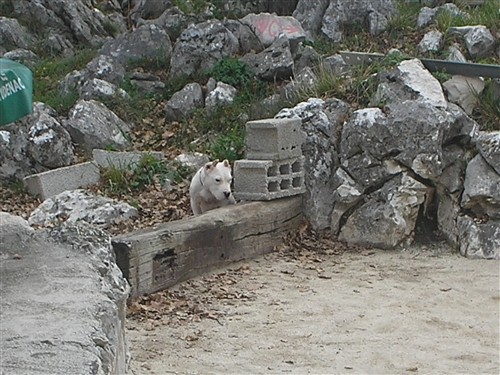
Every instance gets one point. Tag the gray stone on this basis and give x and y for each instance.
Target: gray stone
(106, 68)
(387, 219)
(481, 189)
(47, 184)
(479, 240)
(320, 121)
(13, 230)
(409, 80)
(65, 300)
(335, 65)
(479, 42)
(35, 143)
(455, 54)
(339, 15)
(464, 91)
(123, 160)
(193, 160)
(79, 205)
(270, 27)
(431, 42)
(310, 15)
(145, 42)
(346, 195)
(200, 47)
(426, 16)
(92, 125)
(304, 82)
(99, 89)
(247, 39)
(13, 35)
(306, 57)
(274, 63)
(23, 56)
(488, 144)
(172, 20)
(147, 84)
(75, 21)
(184, 102)
(447, 214)
(222, 94)
(147, 9)
(60, 45)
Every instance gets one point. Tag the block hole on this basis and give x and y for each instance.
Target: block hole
(272, 171)
(296, 182)
(285, 184)
(273, 186)
(296, 167)
(285, 169)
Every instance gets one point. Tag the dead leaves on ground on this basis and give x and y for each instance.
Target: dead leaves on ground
(192, 300)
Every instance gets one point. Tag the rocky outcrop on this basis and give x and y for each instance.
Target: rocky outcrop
(67, 276)
(92, 125)
(36, 143)
(79, 205)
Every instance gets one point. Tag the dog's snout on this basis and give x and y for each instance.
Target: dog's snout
(227, 194)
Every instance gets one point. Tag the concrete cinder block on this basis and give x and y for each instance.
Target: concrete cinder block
(53, 182)
(274, 139)
(122, 160)
(268, 179)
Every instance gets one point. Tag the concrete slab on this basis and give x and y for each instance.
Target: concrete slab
(122, 160)
(63, 306)
(53, 182)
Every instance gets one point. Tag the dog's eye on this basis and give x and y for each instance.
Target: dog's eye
(217, 180)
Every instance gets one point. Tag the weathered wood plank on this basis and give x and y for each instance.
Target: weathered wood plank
(162, 256)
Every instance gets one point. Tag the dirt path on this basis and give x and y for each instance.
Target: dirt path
(418, 311)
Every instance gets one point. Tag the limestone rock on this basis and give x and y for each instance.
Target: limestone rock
(479, 240)
(274, 63)
(310, 15)
(431, 42)
(387, 219)
(221, 95)
(35, 143)
(92, 125)
(464, 91)
(410, 80)
(200, 47)
(80, 205)
(184, 102)
(481, 189)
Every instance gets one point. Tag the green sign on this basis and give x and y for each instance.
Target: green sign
(16, 91)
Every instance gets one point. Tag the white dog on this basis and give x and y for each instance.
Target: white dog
(211, 187)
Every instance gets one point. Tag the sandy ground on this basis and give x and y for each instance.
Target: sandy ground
(417, 311)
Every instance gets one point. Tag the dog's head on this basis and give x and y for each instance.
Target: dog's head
(218, 179)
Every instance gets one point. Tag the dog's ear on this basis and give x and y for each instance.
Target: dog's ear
(214, 163)
(226, 163)
(208, 166)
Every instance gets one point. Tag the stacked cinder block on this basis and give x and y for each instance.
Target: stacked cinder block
(274, 167)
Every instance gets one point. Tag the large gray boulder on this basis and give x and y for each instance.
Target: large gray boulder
(13, 35)
(478, 240)
(478, 39)
(182, 104)
(488, 144)
(79, 205)
(36, 143)
(200, 47)
(388, 217)
(274, 63)
(92, 125)
(246, 37)
(339, 15)
(147, 41)
(409, 80)
(320, 121)
(310, 15)
(65, 300)
(269, 27)
(481, 194)
(75, 21)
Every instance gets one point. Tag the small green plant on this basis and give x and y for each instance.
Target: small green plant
(487, 113)
(147, 172)
(229, 146)
(231, 71)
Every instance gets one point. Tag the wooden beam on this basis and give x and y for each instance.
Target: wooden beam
(162, 256)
